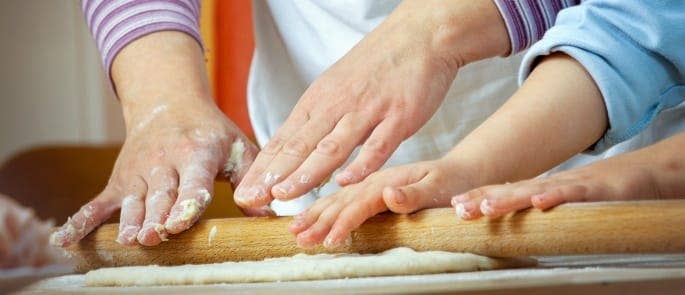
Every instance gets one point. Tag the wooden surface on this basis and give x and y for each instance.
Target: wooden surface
(581, 228)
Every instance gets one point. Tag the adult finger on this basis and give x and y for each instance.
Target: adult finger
(132, 212)
(380, 145)
(329, 154)
(162, 191)
(293, 153)
(194, 194)
(86, 219)
(249, 194)
(131, 220)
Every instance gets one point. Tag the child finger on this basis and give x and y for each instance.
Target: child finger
(351, 218)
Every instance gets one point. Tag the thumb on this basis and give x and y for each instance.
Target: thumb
(415, 196)
(242, 154)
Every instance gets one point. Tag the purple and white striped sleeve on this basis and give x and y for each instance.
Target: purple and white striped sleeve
(116, 23)
(528, 20)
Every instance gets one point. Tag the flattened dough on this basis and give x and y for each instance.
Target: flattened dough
(398, 261)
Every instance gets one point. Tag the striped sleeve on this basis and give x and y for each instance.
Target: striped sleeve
(115, 23)
(528, 20)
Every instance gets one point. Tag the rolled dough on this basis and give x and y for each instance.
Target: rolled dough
(398, 261)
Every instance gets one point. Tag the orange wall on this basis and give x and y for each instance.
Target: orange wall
(228, 36)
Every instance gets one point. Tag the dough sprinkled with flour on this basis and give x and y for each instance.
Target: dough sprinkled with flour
(398, 261)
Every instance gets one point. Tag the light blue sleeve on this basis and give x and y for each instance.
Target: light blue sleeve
(633, 49)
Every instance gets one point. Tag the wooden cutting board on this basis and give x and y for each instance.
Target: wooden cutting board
(581, 228)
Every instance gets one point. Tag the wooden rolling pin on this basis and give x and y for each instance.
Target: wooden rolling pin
(581, 228)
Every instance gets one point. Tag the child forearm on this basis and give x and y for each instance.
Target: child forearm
(557, 113)
(667, 164)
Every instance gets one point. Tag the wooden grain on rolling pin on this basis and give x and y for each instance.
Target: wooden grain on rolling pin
(581, 228)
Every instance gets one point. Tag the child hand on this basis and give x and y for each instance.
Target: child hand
(402, 189)
(619, 178)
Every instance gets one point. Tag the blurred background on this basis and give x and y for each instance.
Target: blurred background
(54, 89)
(60, 123)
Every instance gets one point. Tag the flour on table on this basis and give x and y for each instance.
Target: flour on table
(398, 261)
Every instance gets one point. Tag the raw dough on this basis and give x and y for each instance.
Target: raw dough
(398, 261)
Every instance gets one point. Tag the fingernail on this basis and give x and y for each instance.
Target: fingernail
(301, 243)
(461, 211)
(205, 195)
(459, 199)
(258, 193)
(540, 198)
(239, 194)
(57, 238)
(400, 198)
(296, 224)
(159, 229)
(189, 210)
(127, 234)
(329, 242)
(254, 194)
(156, 227)
(485, 207)
(65, 235)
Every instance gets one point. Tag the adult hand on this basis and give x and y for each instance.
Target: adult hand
(177, 142)
(377, 95)
(164, 175)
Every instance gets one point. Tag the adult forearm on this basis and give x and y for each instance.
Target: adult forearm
(460, 31)
(163, 68)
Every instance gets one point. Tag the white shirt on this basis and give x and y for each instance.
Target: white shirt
(297, 40)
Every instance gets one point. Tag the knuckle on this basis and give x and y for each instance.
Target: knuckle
(168, 191)
(163, 176)
(575, 190)
(328, 147)
(188, 143)
(521, 190)
(273, 146)
(296, 147)
(377, 147)
(352, 122)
